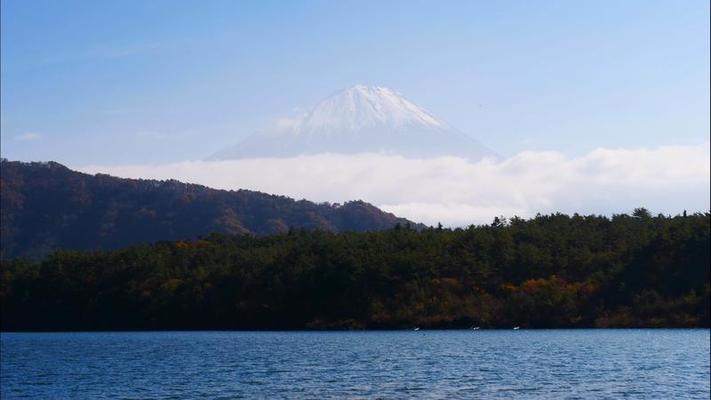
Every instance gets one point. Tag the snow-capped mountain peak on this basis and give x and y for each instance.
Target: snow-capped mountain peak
(361, 107)
(360, 119)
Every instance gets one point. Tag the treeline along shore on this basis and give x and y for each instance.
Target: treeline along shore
(552, 271)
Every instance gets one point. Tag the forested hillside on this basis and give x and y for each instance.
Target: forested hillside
(550, 271)
(46, 206)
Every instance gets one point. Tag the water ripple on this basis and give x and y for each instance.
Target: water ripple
(357, 365)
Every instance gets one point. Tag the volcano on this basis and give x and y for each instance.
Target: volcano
(361, 119)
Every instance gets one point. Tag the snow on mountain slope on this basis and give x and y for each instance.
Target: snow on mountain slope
(360, 119)
(362, 107)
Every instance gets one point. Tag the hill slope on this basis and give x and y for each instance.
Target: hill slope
(47, 206)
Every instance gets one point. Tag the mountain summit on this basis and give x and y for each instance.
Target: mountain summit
(360, 119)
(361, 108)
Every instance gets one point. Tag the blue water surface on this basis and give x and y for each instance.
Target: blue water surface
(396, 364)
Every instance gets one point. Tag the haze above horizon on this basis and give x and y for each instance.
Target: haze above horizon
(155, 82)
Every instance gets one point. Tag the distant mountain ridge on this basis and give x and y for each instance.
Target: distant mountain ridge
(46, 206)
(360, 119)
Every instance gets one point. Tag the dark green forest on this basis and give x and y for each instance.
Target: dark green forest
(550, 271)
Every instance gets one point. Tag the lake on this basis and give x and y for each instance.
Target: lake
(391, 364)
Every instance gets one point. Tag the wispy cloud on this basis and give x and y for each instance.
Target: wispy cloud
(28, 137)
(458, 192)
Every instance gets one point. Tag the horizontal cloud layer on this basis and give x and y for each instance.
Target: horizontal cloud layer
(458, 192)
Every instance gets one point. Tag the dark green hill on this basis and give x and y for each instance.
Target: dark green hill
(46, 206)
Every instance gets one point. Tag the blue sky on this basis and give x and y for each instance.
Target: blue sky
(122, 82)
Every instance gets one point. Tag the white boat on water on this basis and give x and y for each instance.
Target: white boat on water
(516, 328)
(416, 329)
(476, 328)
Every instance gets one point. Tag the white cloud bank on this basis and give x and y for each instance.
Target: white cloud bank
(457, 192)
